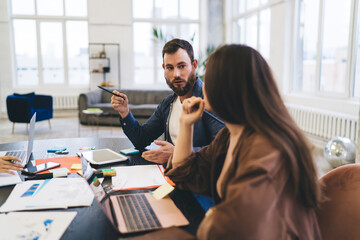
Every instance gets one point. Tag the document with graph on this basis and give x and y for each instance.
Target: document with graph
(49, 194)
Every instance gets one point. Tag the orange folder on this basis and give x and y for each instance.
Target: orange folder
(66, 162)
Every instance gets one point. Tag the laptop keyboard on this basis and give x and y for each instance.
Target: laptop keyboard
(18, 154)
(137, 212)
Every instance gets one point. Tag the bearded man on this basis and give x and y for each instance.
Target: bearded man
(180, 74)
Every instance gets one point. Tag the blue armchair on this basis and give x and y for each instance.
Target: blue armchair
(20, 108)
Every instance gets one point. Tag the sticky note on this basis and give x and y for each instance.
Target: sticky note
(162, 191)
(76, 166)
(129, 151)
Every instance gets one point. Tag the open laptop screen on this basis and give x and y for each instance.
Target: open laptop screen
(31, 138)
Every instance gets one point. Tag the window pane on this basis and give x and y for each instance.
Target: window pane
(264, 1)
(76, 8)
(356, 91)
(334, 47)
(189, 9)
(142, 8)
(264, 31)
(166, 8)
(240, 5)
(250, 4)
(23, 7)
(143, 53)
(190, 32)
(52, 52)
(169, 31)
(251, 31)
(239, 31)
(50, 7)
(305, 65)
(77, 52)
(26, 52)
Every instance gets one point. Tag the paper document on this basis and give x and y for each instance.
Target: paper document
(9, 179)
(34, 225)
(49, 194)
(139, 176)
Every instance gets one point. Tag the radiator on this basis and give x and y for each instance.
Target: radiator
(325, 124)
(65, 102)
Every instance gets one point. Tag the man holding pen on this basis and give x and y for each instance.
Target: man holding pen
(180, 74)
(8, 165)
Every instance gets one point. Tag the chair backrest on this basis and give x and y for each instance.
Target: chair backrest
(339, 214)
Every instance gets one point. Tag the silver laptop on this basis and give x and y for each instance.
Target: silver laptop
(22, 154)
(136, 212)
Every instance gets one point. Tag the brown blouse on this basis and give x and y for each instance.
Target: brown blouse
(257, 203)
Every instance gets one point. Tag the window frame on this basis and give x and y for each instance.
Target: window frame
(38, 19)
(159, 82)
(247, 13)
(345, 97)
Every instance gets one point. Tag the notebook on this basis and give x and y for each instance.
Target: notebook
(136, 212)
(24, 155)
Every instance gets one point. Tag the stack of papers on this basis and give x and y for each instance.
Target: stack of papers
(34, 225)
(49, 194)
(9, 179)
(139, 177)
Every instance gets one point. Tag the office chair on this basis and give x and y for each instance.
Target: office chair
(339, 214)
(21, 107)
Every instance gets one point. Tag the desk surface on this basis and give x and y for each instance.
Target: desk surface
(90, 222)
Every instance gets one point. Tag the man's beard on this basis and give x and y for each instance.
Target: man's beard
(181, 91)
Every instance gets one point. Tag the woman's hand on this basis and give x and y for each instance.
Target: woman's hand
(192, 110)
(7, 165)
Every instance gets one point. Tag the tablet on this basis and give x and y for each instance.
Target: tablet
(103, 156)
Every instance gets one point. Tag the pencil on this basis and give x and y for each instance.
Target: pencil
(110, 92)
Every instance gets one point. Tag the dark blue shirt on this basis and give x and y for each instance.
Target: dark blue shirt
(205, 129)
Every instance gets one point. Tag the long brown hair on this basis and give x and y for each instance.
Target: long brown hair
(241, 89)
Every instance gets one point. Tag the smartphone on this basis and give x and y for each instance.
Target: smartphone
(46, 166)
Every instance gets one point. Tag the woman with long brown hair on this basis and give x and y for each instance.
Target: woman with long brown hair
(259, 168)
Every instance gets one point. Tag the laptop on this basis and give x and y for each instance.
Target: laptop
(135, 212)
(22, 154)
(9, 179)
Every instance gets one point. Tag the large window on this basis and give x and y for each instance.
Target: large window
(170, 18)
(50, 42)
(251, 24)
(327, 44)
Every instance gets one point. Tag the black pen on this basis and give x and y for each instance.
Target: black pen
(110, 92)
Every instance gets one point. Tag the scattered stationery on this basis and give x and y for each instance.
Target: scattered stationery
(56, 149)
(129, 151)
(65, 162)
(87, 148)
(139, 177)
(35, 225)
(105, 173)
(162, 191)
(76, 166)
(49, 194)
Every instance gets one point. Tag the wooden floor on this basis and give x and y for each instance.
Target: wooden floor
(61, 127)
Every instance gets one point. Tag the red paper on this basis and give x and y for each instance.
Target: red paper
(66, 162)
